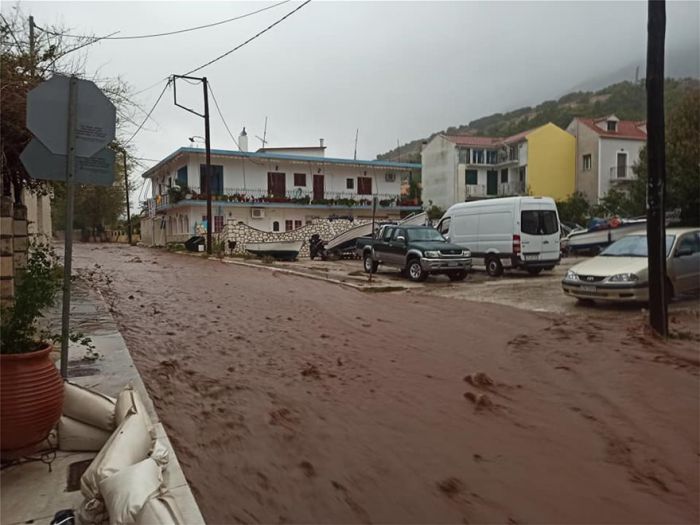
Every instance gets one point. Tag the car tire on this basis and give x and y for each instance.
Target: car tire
(534, 271)
(458, 276)
(369, 264)
(494, 267)
(415, 271)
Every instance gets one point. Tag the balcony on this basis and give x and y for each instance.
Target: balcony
(299, 196)
(505, 189)
(622, 174)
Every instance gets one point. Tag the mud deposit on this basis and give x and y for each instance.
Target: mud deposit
(296, 401)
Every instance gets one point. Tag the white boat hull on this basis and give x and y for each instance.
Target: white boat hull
(277, 249)
(588, 240)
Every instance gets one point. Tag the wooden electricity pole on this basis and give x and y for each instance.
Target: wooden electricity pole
(656, 166)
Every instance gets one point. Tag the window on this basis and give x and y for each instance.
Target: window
(513, 153)
(471, 177)
(444, 226)
(504, 176)
(587, 162)
(300, 179)
(464, 156)
(364, 185)
(612, 125)
(297, 224)
(491, 156)
(218, 223)
(349, 184)
(276, 184)
(539, 222)
(288, 225)
(182, 176)
(689, 244)
(521, 173)
(275, 226)
(217, 179)
(477, 156)
(387, 233)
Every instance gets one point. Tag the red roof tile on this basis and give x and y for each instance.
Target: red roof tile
(626, 129)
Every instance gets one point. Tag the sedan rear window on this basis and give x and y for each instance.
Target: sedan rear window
(539, 222)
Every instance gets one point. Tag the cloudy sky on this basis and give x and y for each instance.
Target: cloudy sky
(395, 70)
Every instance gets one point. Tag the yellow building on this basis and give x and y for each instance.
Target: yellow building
(551, 162)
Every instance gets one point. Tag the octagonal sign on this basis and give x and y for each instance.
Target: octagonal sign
(47, 116)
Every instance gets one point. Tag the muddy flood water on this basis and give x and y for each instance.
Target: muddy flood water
(290, 400)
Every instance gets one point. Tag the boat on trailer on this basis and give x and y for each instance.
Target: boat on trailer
(283, 250)
(598, 237)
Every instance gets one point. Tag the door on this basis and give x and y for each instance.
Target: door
(396, 249)
(491, 182)
(381, 248)
(621, 165)
(276, 184)
(539, 233)
(319, 190)
(685, 265)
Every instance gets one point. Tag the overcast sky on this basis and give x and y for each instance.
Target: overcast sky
(395, 70)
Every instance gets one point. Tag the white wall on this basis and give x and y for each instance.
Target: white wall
(609, 149)
(439, 176)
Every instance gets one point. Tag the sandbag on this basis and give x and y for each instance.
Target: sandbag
(129, 401)
(129, 444)
(126, 491)
(74, 435)
(160, 510)
(88, 406)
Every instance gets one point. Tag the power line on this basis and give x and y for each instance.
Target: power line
(149, 113)
(249, 40)
(222, 116)
(179, 31)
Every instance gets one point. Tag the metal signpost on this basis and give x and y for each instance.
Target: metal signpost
(72, 121)
(374, 235)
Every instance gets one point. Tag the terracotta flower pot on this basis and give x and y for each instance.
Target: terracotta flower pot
(31, 400)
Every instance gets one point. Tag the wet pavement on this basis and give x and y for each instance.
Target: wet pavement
(292, 400)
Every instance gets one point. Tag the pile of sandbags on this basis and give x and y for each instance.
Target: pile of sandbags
(124, 482)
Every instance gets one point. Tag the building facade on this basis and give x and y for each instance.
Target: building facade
(606, 151)
(278, 189)
(534, 162)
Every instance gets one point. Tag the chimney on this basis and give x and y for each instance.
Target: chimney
(320, 141)
(243, 140)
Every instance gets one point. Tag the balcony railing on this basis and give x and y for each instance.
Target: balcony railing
(622, 173)
(502, 190)
(301, 196)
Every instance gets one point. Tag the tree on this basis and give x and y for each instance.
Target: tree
(574, 209)
(682, 162)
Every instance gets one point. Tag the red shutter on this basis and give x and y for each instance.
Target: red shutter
(364, 185)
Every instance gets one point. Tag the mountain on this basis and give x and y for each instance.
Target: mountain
(627, 100)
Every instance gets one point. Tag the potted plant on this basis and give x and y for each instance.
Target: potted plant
(31, 389)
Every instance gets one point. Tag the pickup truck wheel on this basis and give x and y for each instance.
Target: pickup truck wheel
(369, 264)
(457, 276)
(415, 271)
(494, 267)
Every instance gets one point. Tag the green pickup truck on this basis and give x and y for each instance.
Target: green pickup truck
(418, 251)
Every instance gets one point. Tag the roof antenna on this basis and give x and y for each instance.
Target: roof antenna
(354, 157)
(264, 137)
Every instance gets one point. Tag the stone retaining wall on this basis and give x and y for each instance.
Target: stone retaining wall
(326, 229)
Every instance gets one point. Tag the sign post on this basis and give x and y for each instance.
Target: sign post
(374, 235)
(72, 121)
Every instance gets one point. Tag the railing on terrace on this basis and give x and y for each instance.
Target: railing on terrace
(622, 173)
(296, 196)
(503, 190)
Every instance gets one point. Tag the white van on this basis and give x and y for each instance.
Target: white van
(512, 232)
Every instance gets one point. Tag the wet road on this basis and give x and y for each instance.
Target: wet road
(292, 400)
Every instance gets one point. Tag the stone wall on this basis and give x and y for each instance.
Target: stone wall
(326, 229)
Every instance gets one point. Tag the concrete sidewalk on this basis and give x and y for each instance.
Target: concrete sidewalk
(32, 492)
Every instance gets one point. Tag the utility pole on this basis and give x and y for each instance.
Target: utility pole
(126, 188)
(357, 132)
(656, 166)
(207, 145)
(32, 60)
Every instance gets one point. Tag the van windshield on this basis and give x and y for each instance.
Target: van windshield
(539, 222)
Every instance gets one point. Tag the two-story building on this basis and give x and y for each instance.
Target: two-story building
(458, 168)
(606, 150)
(272, 189)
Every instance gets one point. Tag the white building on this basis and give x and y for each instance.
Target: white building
(272, 189)
(606, 150)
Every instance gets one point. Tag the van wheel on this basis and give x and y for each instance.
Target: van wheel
(457, 276)
(415, 271)
(494, 267)
(534, 271)
(369, 264)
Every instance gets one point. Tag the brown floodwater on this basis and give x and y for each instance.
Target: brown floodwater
(290, 400)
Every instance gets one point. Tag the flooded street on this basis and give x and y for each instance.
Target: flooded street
(290, 400)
